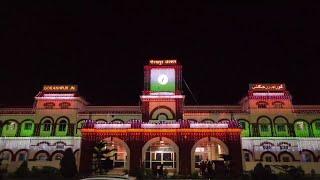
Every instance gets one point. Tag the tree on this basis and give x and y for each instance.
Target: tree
(103, 153)
(68, 167)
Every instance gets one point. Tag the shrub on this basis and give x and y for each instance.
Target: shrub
(195, 175)
(46, 171)
(140, 173)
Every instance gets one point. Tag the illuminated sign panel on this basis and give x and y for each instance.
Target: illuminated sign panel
(162, 80)
(60, 88)
(267, 87)
(163, 62)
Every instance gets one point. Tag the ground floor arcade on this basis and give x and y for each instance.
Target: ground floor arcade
(178, 150)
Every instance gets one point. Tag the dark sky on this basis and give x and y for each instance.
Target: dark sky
(103, 46)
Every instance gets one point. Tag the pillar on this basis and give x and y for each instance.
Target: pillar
(19, 126)
(86, 153)
(70, 129)
(255, 130)
(135, 145)
(291, 130)
(185, 147)
(235, 151)
(37, 128)
(53, 129)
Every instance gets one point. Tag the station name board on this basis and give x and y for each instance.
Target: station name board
(60, 88)
(163, 62)
(267, 87)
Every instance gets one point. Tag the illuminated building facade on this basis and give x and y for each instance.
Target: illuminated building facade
(265, 126)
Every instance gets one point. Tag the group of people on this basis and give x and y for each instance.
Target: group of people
(263, 173)
(207, 168)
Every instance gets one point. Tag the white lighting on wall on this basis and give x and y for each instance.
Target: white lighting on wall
(213, 126)
(112, 126)
(58, 95)
(160, 126)
(268, 94)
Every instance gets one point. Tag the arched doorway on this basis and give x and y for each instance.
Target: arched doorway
(115, 152)
(161, 151)
(207, 149)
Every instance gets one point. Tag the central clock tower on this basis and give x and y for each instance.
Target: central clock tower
(162, 98)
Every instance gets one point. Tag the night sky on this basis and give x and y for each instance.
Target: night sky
(103, 46)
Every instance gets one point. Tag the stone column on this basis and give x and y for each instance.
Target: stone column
(235, 151)
(185, 147)
(291, 130)
(70, 130)
(255, 130)
(86, 153)
(135, 145)
(37, 128)
(18, 130)
(53, 129)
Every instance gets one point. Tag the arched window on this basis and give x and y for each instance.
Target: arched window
(62, 125)
(278, 104)
(246, 128)
(265, 128)
(247, 155)
(285, 157)
(268, 157)
(64, 105)
(27, 128)
(301, 128)
(10, 128)
(80, 125)
(307, 156)
(281, 126)
(49, 105)
(47, 125)
(22, 155)
(57, 155)
(41, 156)
(316, 128)
(162, 112)
(6, 156)
(262, 104)
(118, 121)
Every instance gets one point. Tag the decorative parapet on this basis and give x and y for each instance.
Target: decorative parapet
(138, 124)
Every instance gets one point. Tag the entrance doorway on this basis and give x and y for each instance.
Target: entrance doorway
(207, 149)
(113, 154)
(161, 151)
